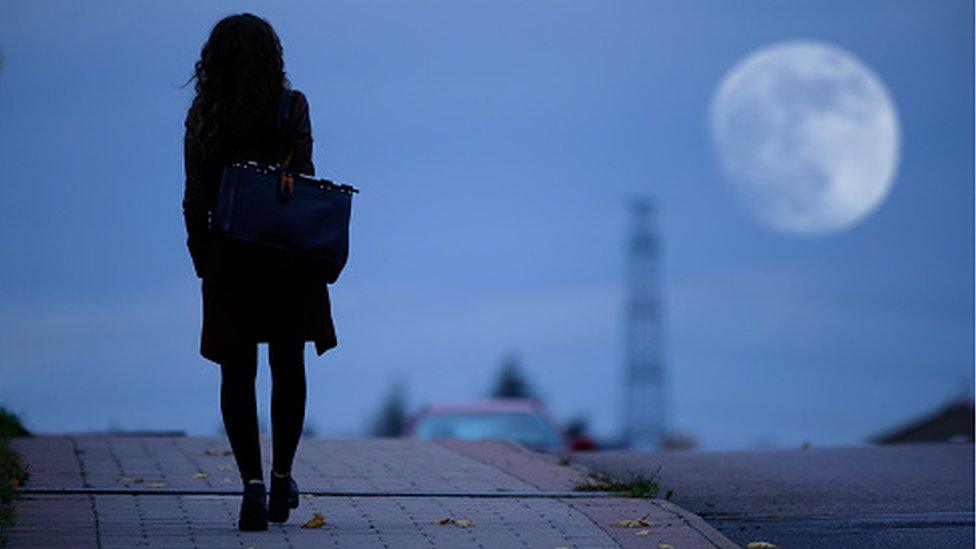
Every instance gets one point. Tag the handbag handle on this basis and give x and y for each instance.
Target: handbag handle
(286, 184)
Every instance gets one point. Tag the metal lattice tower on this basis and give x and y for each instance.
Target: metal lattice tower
(644, 415)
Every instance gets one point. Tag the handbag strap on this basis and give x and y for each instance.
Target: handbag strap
(284, 114)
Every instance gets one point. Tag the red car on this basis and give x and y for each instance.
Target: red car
(520, 420)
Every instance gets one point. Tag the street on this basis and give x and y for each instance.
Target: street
(865, 496)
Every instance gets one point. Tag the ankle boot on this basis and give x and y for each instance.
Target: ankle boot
(254, 508)
(283, 497)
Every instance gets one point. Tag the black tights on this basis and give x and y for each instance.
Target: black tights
(238, 405)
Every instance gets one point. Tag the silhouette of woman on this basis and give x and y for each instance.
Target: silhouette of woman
(240, 80)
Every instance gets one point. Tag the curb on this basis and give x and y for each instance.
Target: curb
(698, 524)
(487, 453)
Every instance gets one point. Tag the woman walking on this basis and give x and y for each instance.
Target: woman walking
(240, 82)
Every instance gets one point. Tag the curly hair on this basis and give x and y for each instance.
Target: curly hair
(239, 77)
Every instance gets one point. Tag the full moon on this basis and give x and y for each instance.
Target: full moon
(807, 135)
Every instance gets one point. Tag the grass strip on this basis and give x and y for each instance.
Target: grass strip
(633, 485)
(12, 472)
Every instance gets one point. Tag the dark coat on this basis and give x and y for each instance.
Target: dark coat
(244, 300)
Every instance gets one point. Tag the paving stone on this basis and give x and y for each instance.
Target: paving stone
(52, 460)
(544, 471)
(202, 512)
(388, 465)
(132, 521)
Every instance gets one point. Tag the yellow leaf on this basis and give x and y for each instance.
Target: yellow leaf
(632, 523)
(210, 452)
(200, 475)
(462, 523)
(156, 485)
(317, 521)
(762, 545)
(130, 480)
(664, 546)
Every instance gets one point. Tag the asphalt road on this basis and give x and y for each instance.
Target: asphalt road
(865, 496)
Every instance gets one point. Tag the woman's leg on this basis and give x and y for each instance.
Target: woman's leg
(238, 405)
(288, 392)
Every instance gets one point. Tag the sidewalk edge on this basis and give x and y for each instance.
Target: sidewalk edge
(698, 524)
(483, 453)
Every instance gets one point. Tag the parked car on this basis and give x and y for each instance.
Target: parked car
(520, 420)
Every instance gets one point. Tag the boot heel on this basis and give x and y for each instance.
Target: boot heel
(283, 498)
(278, 514)
(254, 509)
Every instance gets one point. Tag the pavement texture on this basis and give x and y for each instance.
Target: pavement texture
(112, 491)
(864, 496)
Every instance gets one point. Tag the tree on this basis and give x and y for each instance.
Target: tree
(391, 420)
(511, 382)
(577, 426)
(577, 430)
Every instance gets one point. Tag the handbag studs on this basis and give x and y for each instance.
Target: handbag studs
(287, 180)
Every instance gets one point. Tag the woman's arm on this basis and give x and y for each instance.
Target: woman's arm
(196, 207)
(301, 160)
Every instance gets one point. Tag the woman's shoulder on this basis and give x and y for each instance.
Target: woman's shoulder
(299, 101)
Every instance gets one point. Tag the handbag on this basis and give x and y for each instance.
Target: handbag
(287, 217)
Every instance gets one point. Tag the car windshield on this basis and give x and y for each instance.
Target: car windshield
(527, 428)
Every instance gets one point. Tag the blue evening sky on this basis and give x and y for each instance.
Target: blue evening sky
(496, 144)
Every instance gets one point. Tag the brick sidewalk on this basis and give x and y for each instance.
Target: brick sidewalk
(103, 491)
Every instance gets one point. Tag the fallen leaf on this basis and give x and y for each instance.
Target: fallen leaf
(307, 496)
(762, 545)
(200, 475)
(664, 546)
(632, 523)
(210, 452)
(642, 532)
(130, 480)
(14, 482)
(227, 480)
(225, 467)
(462, 523)
(317, 521)
(156, 485)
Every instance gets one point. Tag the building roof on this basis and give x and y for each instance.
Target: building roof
(951, 423)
